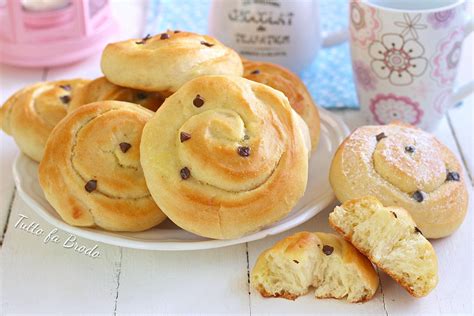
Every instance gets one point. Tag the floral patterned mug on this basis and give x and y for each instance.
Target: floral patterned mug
(405, 56)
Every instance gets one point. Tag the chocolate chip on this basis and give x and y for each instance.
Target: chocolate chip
(66, 87)
(410, 149)
(418, 196)
(142, 95)
(394, 214)
(296, 261)
(164, 36)
(453, 176)
(65, 99)
(143, 41)
(177, 31)
(417, 230)
(380, 136)
(91, 185)
(198, 101)
(185, 173)
(255, 72)
(206, 44)
(327, 250)
(124, 147)
(244, 151)
(183, 136)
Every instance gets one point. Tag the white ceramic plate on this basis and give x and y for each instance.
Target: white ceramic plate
(168, 236)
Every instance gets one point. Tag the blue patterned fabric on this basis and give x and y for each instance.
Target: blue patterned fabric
(329, 78)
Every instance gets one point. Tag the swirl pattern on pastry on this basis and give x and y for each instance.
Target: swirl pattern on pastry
(30, 114)
(101, 89)
(406, 167)
(225, 156)
(166, 61)
(91, 172)
(291, 85)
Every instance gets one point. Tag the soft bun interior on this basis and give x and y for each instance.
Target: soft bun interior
(389, 237)
(323, 261)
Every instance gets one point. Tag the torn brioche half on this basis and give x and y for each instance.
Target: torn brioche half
(389, 237)
(324, 261)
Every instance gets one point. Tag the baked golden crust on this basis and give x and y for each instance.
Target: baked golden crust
(91, 172)
(291, 85)
(30, 114)
(6, 110)
(166, 61)
(225, 156)
(406, 167)
(101, 89)
(378, 232)
(341, 273)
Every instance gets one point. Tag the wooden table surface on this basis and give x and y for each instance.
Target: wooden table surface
(47, 278)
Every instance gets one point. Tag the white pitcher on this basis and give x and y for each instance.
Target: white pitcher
(285, 32)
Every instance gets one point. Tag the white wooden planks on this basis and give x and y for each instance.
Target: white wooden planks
(39, 278)
(461, 119)
(204, 281)
(47, 278)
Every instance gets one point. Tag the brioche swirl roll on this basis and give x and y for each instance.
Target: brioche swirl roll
(403, 166)
(324, 261)
(389, 237)
(30, 114)
(91, 172)
(225, 156)
(101, 89)
(290, 84)
(166, 61)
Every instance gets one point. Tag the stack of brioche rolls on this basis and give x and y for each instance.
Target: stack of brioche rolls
(178, 127)
(181, 127)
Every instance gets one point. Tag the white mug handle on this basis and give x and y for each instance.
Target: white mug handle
(466, 89)
(334, 38)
